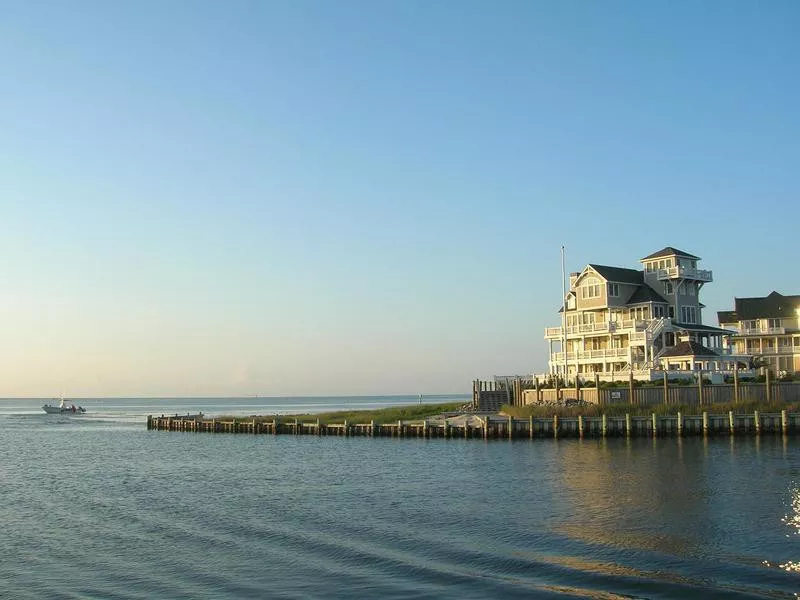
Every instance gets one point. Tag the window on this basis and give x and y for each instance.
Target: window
(688, 314)
(613, 290)
(671, 312)
(667, 287)
(590, 289)
(774, 323)
(658, 311)
(691, 289)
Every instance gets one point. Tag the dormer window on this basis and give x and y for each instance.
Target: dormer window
(613, 290)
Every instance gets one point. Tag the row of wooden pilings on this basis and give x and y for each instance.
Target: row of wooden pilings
(495, 426)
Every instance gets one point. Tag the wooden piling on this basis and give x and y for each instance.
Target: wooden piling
(736, 383)
(666, 388)
(757, 422)
(605, 429)
(510, 427)
(700, 387)
(768, 385)
(628, 424)
(784, 422)
(731, 422)
(655, 426)
(555, 426)
(630, 388)
(705, 423)
(680, 424)
(580, 426)
(597, 387)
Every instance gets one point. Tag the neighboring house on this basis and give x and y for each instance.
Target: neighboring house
(619, 321)
(768, 327)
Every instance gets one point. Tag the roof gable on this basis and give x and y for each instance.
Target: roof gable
(670, 251)
(644, 293)
(688, 349)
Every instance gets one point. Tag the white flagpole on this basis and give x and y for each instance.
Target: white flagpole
(564, 314)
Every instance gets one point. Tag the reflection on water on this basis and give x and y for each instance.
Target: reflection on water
(185, 515)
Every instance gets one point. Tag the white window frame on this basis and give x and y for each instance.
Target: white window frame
(688, 314)
(590, 289)
(613, 290)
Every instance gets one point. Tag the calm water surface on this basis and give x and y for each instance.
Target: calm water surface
(95, 506)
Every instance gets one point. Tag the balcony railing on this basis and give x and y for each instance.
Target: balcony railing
(684, 273)
(782, 349)
(625, 326)
(763, 330)
(590, 354)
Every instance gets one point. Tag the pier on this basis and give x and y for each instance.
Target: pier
(472, 426)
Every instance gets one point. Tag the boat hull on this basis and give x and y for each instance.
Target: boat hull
(67, 410)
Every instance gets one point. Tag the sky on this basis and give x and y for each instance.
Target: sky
(322, 198)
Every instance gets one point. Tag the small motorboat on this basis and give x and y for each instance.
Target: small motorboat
(64, 408)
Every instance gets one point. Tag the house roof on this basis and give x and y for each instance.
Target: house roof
(688, 349)
(644, 293)
(697, 327)
(670, 251)
(619, 274)
(773, 306)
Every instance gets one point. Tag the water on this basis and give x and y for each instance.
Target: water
(95, 506)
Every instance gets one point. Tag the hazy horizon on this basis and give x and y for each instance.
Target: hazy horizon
(356, 198)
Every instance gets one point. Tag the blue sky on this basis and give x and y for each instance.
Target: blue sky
(315, 197)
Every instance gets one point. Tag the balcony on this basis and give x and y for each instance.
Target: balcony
(626, 326)
(760, 330)
(782, 349)
(590, 355)
(684, 273)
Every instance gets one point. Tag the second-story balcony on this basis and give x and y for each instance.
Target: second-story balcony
(762, 330)
(685, 273)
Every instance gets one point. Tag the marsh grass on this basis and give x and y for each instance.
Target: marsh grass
(391, 414)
